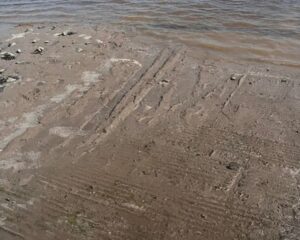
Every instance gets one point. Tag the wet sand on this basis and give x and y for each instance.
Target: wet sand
(108, 134)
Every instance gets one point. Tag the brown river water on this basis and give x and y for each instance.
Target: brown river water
(255, 30)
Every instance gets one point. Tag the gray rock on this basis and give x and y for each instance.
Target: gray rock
(2, 70)
(8, 56)
(19, 51)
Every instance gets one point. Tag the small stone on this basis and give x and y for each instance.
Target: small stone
(34, 41)
(283, 80)
(2, 70)
(18, 51)
(46, 41)
(8, 56)
(39, 50)
(233, 166)
(53, 28)
(11, 44)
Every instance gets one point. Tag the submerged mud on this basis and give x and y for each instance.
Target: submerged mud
(138, 138)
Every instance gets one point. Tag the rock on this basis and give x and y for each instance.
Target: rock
(39, 50)
(233, 166)
(8, 56)
(18, 51)
(46, 41)
(11, 44)
(2, 70)
(34, 41)
(53, 28)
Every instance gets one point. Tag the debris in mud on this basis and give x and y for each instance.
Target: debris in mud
(39, 50)
(3, 80)
(233, 166)
(79, 50)
(8, 79)
(8, 56)
(13, 78)
(67, 33)
(283, 80)
(233, 77)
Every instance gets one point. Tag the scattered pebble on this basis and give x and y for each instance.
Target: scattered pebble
(34, 41)
(8, 56)
(2, 70)
(39, 50)
(46, 41)
(19, 51)
(11, 44)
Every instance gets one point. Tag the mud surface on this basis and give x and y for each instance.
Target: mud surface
(110, 135)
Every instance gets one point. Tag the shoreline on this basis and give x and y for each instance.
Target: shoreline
(114, 134)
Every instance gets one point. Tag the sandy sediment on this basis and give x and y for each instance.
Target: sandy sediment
(112, 135)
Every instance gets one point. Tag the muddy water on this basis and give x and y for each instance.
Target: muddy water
(248, 29)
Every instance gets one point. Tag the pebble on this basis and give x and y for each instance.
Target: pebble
(8, 56)
(2, 70)
(19, 51)
(34, 41)
(39, 50)
(11, 44)
(46, 41)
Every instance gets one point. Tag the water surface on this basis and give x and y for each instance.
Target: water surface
(269, 30)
